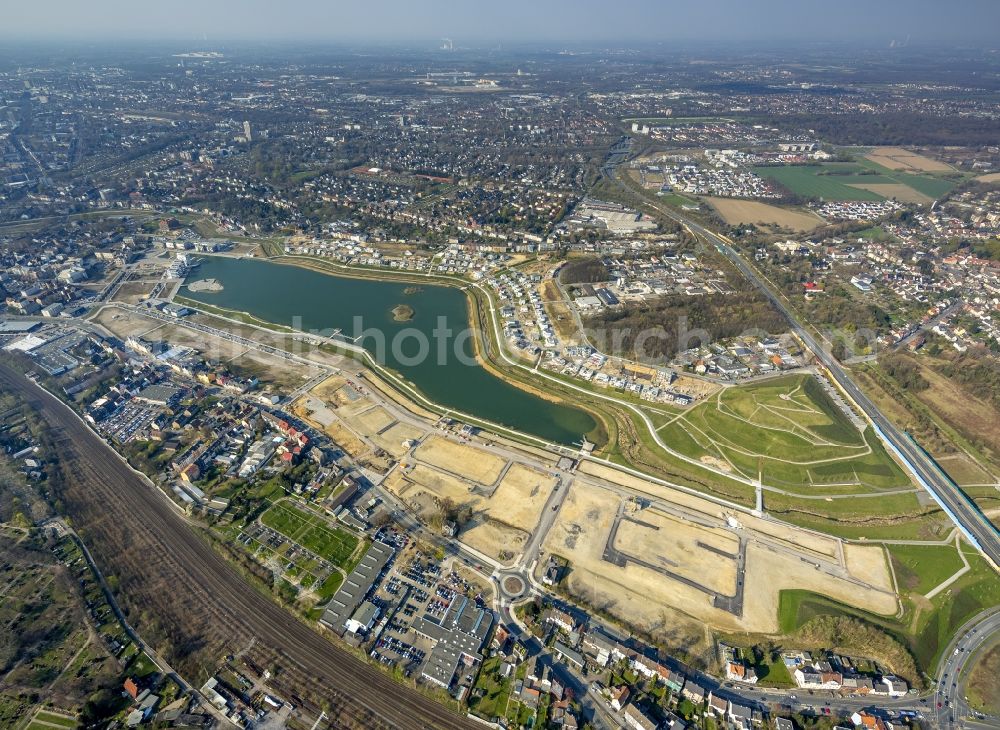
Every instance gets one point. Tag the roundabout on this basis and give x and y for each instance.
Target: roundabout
(513, 586)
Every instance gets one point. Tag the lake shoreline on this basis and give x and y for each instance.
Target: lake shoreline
(475, 385)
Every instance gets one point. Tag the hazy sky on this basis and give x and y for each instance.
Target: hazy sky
(510, 21)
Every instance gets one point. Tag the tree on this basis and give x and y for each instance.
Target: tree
(839, 350)
(587, 270)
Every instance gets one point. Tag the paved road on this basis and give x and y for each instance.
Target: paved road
(929, 324)
(952, 711)
(976, 527)
(107, 496)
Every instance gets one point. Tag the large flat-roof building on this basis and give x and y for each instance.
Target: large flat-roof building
(460, 635)
(159, 395)
(15, 327)
(356, 586)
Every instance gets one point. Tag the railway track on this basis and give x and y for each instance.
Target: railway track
(138, 536)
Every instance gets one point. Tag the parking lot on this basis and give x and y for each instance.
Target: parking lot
(417, 586)
(128, 421)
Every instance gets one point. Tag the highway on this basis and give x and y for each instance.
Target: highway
(976, 527)
(113, 505)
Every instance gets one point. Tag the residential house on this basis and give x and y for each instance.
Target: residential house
(718, 705)
(895, 686)
(638, 719)
(740, 716)
(560, 618)
(694, 692)
(739, 672)
(619, 697)
(674, 681)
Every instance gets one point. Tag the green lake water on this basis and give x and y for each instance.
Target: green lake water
(314, 301)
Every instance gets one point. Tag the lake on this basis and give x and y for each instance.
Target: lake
(420, 349)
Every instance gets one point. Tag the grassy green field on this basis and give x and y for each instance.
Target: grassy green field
(50, 718)
(873, 519)
(677, 201)
(142, 666)
(928, 184)
(789, 432)
(774, 674)
(875, 233)
(833, 180)
(919, 568)
(312, 533)
(974, 592)
(807, 180)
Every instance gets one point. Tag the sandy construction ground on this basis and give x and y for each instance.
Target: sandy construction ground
(674, 545)
(422, 502)
(520, 496)
(126, 324)
(896, 158)
(559, 312)
(343, 437)
(773, 572)
(372, 420)
(500, 525)
(371, 380)
(133, 292)
(268, 368)
(320, 415)
(794, 537)
(328, 388)
(470, 462)
(644, 596)
(667, 494)
(316, 410)
(868, 563)
(493, 538)
(392, 439)
(695, 386)
(736, 212)
(633, 593)
(666, 624)
(443, 485)
(896, 191)
(350, 403)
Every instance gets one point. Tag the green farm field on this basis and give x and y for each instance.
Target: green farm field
(811, 182)
(834, 181)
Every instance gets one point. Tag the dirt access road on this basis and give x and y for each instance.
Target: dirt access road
(110, 503)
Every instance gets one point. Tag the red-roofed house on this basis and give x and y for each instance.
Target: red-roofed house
(131, 687)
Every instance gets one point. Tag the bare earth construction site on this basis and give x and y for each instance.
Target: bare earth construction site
(658, 557)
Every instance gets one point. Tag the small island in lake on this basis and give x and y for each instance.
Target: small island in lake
(412, 290)
(212, 285)
(402, 313)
